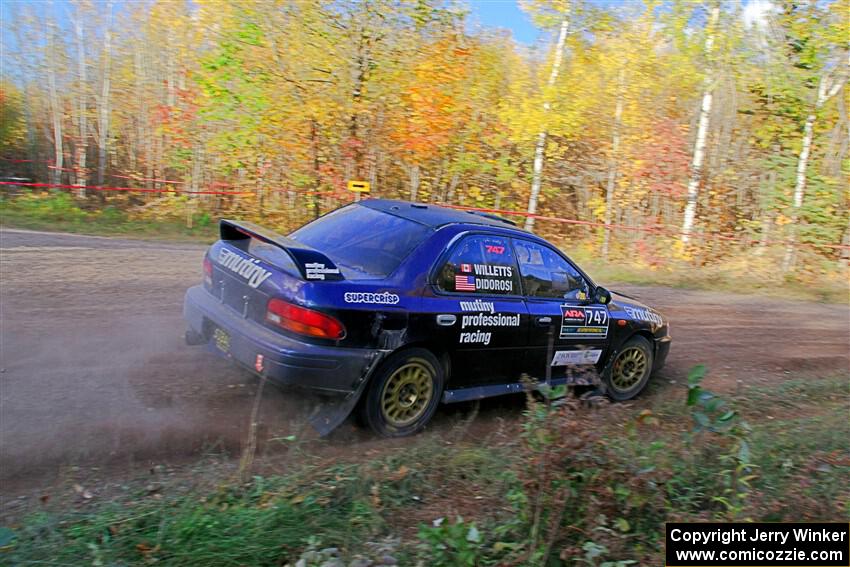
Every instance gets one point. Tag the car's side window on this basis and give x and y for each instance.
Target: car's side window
(482, 264)
(546, 274)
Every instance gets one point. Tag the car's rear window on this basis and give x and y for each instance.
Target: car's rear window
(362, 242)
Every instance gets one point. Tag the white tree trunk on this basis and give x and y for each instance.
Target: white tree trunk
(55, 110)
(414, 182)
(540, 147)
(614, 160)
(702, 131)
(828, 87)
(104, 102)
(82, 122)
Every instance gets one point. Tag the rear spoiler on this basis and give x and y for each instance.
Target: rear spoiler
(312, 264)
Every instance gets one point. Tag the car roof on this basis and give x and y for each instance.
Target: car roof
(436, 216)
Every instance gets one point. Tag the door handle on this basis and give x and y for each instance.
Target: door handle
(543, 321)
(446, 320)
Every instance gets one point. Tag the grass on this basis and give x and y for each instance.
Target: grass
(596, 483)
(817, 278)
(742, 271)
(61, 213)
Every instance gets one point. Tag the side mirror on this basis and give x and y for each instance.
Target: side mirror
(601, 295)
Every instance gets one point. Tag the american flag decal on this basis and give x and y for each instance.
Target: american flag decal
(464, 283)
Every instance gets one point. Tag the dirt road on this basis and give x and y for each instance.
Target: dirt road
(95, 371)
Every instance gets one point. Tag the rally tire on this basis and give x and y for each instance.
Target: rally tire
(630, 370)
(404, 393)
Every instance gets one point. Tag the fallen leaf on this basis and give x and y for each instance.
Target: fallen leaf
(400, 473)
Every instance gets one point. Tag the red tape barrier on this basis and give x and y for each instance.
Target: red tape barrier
(166, 190)
(649, 230)
(134, 178)
(134, 189)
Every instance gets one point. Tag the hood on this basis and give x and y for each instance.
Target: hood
(635, 309)
(623, 299)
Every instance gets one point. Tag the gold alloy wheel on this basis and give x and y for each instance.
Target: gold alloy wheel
(407, 393)
(629, 369)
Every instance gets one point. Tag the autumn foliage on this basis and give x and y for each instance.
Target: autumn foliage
(284, 102)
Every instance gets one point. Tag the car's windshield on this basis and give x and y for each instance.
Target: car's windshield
(362, 242)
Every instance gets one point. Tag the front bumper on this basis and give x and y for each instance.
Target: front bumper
(662, 349)
(285, 360)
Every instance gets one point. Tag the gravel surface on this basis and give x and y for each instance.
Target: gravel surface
(95, 370)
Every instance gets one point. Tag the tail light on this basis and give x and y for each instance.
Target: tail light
(208, 272)
(303, 321)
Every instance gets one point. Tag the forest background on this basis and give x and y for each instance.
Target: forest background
(658, 134)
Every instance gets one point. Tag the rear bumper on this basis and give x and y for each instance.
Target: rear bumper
(662, 349)
(285, 360)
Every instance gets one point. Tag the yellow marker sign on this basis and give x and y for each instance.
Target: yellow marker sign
(358, 186)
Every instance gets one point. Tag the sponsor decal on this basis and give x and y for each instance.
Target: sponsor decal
(573, 314)
(317, 271)
(385, 298)
(570, 357)
(639, 314)
(248, 268)
(478, 305)
(464, 283)
(476, 337)
(258, 363)
(583, 322)
(494, 249)
(466, 268)
(485, 320)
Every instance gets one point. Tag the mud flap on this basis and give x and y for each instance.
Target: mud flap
(194, 338)
(330, 413)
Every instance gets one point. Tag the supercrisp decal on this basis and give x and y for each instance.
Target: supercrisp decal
(385, 298)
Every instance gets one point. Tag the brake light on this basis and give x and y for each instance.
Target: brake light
(303, 321)
(208, 272)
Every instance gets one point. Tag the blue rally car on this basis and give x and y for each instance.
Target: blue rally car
(393, 307)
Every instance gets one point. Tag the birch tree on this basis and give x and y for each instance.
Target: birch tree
(698, 158)
(613, 160)
(55, 106)
(540, 145)
(82, 104)
(831, 81)
(103, 101)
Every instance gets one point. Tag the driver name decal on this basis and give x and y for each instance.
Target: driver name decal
(583, 322)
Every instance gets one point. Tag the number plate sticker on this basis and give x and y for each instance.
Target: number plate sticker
(221, 340)
(584, 322)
